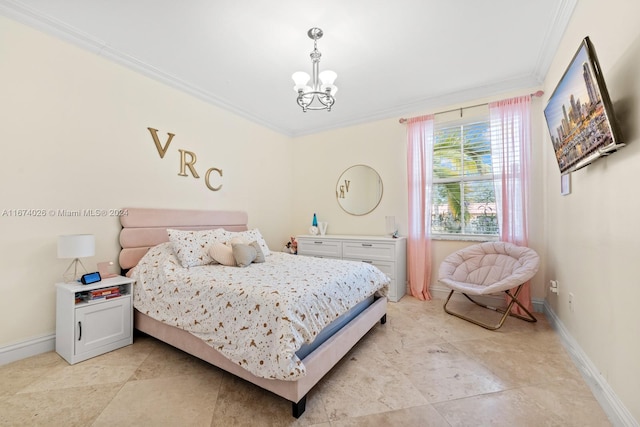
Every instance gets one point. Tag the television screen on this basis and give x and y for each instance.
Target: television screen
(580, 114)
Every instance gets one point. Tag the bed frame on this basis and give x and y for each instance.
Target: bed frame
(144, 228)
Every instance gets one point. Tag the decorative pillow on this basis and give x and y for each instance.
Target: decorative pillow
(222, 253)
(259, 254)
(252, 235)
(243, 254)
(190, 246)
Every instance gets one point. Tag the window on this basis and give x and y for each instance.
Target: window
(463, 197)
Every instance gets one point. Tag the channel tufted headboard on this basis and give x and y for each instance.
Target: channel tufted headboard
(143, 228)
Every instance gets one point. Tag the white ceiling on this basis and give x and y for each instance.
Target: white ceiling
(392, 57)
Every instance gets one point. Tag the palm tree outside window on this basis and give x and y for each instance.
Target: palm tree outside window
(463, 197)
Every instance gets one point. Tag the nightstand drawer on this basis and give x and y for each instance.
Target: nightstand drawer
(320, 248)
(368, 251)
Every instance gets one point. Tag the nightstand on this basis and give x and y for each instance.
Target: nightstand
(93, 319)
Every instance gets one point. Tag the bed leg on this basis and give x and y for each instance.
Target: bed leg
(383, 319)
(298, 408)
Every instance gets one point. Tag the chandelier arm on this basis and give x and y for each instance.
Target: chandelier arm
(324, 98)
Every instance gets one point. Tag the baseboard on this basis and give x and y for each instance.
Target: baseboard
(613, 407)
(24, 349)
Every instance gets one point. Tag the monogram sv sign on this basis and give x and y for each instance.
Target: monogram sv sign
(187, 160)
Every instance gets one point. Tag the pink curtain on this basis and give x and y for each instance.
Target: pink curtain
(511, 154)
(419, 177)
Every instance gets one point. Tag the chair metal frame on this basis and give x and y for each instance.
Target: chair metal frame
(505, 311)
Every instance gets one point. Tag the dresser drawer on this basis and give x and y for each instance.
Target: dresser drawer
(368, 251)
(320, 248)
(386, 267)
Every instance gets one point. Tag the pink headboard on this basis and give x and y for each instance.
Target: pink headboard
(143, 228)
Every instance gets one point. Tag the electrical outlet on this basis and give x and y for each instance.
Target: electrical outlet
(571, 302)
(554, 286)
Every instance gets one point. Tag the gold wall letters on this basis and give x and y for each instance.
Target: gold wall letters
(206, 178)
(187, 160)
(161, 150)
(189, 164)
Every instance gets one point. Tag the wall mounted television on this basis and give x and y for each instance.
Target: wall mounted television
(580, 115)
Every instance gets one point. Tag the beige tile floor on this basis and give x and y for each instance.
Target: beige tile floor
(422, 368)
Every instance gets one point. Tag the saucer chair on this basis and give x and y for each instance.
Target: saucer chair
(490, 268)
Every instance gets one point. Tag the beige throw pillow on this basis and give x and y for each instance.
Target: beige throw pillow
(222, 253)
(259, 253)
(243, 254)
(249, 236)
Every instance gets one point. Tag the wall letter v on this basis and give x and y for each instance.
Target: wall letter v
(161, 150)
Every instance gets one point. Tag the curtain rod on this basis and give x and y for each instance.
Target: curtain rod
(536, 94)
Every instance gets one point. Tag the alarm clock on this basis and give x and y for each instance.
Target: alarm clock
(90, 278)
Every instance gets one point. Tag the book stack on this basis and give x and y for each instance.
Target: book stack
(106, 293)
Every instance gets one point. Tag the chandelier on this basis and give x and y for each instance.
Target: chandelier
(320, 94)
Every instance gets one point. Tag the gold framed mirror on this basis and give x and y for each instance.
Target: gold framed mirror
(359, 190)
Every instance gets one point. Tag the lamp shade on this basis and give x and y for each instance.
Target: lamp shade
(76, 246)
(328, 77)
(300, 78)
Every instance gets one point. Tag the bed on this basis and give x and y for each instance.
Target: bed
(147, 254)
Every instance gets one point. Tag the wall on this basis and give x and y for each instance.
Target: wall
(74, 136)
(592, 238)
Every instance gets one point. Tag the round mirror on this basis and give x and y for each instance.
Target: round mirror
(359, 190)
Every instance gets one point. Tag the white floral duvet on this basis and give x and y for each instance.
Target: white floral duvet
(257, 316)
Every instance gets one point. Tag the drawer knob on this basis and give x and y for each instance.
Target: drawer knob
(318, 243)
(367, 244)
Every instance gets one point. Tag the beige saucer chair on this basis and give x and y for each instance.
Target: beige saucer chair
(490, 268)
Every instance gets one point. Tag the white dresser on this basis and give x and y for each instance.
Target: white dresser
(386, 253)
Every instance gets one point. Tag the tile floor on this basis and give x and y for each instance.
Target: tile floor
(422, 368)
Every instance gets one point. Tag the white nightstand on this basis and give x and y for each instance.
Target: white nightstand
(88, 324)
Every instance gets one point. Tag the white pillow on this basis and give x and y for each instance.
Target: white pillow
(222, 253)
(252, 235)
(190, 246)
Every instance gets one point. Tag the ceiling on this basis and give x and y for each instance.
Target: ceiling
(392, 57)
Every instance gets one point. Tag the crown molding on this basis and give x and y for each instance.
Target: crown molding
(553, 37)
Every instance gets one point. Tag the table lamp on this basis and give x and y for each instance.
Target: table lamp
(75, 246)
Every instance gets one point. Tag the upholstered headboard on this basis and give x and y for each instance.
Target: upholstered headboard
(143, 228)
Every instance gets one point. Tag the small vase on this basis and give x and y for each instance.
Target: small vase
(322, 226)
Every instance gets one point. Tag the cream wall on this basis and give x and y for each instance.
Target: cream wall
(592, 238)
(74, 136)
